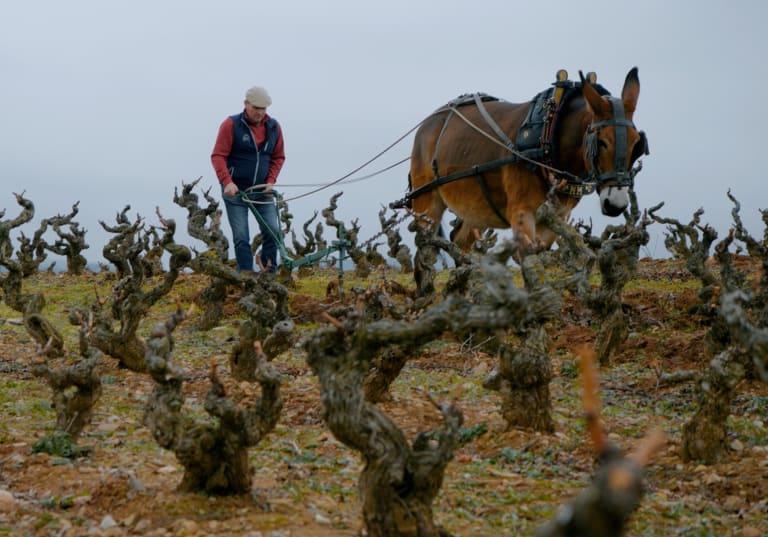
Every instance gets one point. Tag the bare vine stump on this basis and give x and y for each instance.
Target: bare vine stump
(704, 436)
(204, 224)
(397, 250)
(365, 255)
(425, 258)
(399, 481)
(214, 456)
(26, 214)
(373, 304)
(211, 299)
(76, 389)
(244, 358)
(31, 253)
(403, 256)
(617, 259)
(266, 303)
(70, 244)
(759, 250)
(616, 253)
(525, 373)
(733, 305)
(692, 242)
(746, 348)
(612, 332)
(264, 299)
(424, 270)
(525, 370)
(310, 242)
(363, 266)
(30, 305)
(280, 339)
(115, 328)
(42, 330)
(384, 370)
(212, 304)
(128, 351)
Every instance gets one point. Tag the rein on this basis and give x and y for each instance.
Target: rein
(347, 178)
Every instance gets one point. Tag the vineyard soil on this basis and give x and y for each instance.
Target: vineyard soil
(501, 482)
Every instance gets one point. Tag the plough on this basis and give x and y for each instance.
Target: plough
(340, 245)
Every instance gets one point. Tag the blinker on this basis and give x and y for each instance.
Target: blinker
(641, 147)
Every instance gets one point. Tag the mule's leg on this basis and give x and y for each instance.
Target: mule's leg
(523, 222)
(465, 233)
(537, 236)
(545, 237)
(531, 237)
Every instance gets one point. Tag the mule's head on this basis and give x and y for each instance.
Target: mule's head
(612, 144)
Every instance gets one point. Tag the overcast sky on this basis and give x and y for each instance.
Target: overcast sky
(116, 103)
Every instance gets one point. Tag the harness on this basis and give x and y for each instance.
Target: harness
(535, 145)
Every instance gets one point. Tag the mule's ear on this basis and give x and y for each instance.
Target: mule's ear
(597, 105)
(631, 92)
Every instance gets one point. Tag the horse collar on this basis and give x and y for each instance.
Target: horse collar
(572, 188)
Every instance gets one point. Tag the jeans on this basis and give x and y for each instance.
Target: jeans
(237, 213)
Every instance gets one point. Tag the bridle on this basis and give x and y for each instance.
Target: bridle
(623, 174)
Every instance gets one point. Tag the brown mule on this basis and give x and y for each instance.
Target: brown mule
(464, 160)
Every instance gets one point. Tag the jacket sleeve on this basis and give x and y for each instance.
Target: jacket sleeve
(278, 158)
(221, 150)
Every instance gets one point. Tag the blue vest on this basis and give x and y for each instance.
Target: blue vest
(248, 164)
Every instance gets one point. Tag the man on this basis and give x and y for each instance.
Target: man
(247, 157)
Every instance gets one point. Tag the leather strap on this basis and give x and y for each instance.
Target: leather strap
(487, 194)
(491, 123)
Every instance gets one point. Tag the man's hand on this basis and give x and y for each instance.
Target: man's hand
(231, 190)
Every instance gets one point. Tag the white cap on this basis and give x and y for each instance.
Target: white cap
(258, 97)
